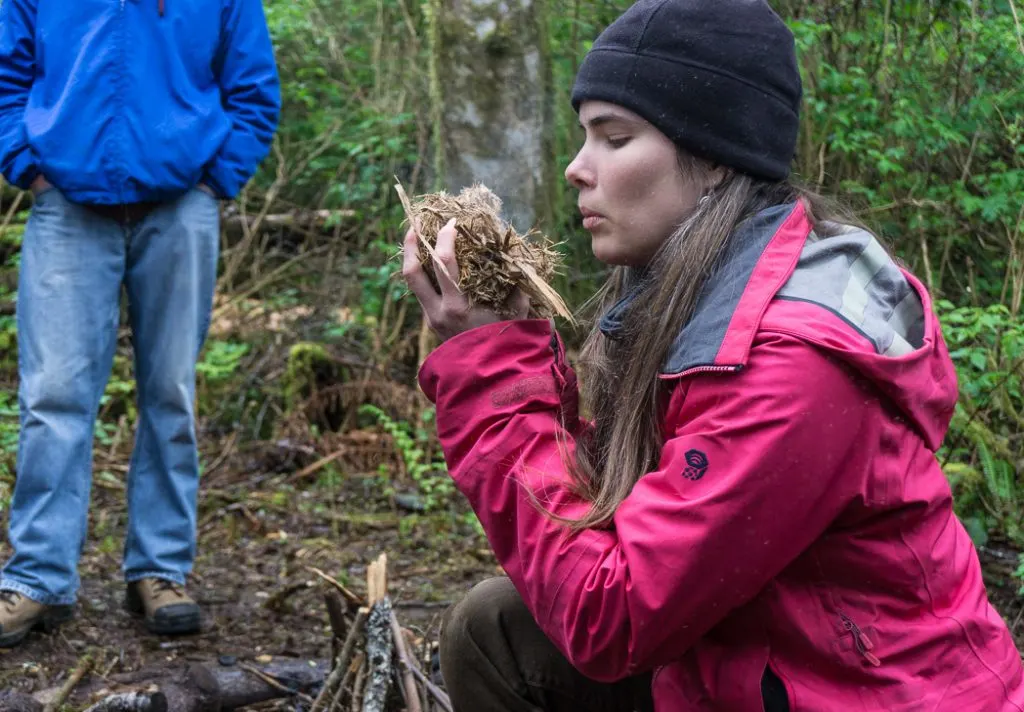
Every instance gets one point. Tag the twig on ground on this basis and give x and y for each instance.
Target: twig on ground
(439, 695)
(268, 280)
(377, 580)
(316, 466)
(357, 699)
(342, 661)
(351, 671)
(275, 684)
(379, 645)
(229, 448)
(411, 697)
(132, 702)
(349, 596)
(336, 607)
(281, 595)
(110, 667)
(81, 670)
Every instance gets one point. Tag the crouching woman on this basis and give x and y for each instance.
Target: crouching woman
(753, 517)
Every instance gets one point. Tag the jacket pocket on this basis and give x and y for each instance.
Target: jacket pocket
(861, 642)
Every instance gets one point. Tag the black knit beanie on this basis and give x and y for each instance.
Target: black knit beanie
(718, 77)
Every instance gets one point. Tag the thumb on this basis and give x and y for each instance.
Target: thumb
(520, 303)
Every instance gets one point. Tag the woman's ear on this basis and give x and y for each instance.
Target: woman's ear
(717, 176)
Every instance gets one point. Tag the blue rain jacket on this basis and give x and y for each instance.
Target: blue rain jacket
(123, 101)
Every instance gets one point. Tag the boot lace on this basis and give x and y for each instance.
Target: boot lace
(165, 586)
(9, 599)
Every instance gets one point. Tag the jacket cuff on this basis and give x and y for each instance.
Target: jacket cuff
(501, 366)
(23, 169)
(211, 179)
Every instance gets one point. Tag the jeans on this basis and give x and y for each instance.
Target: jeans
(74, 262)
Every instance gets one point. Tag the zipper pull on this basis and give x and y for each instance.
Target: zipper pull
(865, 641)
(864, 646)
(862, 642)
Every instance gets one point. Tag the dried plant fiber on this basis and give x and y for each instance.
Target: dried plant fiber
(493, 258)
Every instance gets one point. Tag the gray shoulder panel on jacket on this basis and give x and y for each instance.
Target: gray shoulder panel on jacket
(851, 275)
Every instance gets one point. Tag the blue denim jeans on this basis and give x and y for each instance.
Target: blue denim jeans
(73, 265)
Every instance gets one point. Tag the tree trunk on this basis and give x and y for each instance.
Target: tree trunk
(490, 74)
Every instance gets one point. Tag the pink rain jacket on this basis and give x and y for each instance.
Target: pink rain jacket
(798, 518)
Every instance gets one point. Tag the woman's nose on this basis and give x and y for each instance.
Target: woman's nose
(578, 174)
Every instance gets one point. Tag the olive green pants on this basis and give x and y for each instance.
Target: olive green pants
(495, 658)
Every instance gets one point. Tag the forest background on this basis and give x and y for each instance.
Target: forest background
(317, 446)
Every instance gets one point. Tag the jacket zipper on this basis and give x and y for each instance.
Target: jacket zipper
(862, 642)
(705, 369)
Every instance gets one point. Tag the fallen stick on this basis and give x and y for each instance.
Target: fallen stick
(439, 695)
(81, 669)
(222, 458)
(275, 684)
(275, 601)
(132, 702)
(378, 636)
(349, 596)
(357, 699)
(353, 670)
(341, 663)
(378, 651)
(235, 686)
(412, 697)
(302, 219)
(336, 607)
(197, 687)
(317, 466)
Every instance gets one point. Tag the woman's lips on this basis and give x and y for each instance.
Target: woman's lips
(591, 219)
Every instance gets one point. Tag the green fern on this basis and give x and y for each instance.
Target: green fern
(963, 479)
(429, 473)
(998, 476)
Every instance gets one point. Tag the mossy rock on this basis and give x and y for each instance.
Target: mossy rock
(312, 381)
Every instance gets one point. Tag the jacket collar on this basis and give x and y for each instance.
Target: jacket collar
(760, 257)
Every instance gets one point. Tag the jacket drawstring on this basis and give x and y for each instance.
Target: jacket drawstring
(160, 7)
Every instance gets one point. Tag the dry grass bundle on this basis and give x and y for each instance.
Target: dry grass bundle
(493, 258)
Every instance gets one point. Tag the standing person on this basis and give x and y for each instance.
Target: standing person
(128, 121)
(755, 518)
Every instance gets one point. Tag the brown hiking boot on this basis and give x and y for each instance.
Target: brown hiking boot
(168, 610)
(20, 614)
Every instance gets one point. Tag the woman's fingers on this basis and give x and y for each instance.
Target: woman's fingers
(448, 313)
(520, 304)
(414, 275)
(448, 272)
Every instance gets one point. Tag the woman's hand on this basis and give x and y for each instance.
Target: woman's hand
(449, 312)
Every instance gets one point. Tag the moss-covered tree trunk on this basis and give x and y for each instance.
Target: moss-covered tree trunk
(491, 77)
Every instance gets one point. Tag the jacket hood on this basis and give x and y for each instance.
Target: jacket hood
(848, 296)
(840, 291)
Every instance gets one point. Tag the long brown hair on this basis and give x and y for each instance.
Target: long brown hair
(619, 377)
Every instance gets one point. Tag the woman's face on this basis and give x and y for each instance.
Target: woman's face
(633, 194)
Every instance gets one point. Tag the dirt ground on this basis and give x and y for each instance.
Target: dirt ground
(258, 536)
(257, 539)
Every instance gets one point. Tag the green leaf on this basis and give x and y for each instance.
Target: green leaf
(977, 530)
